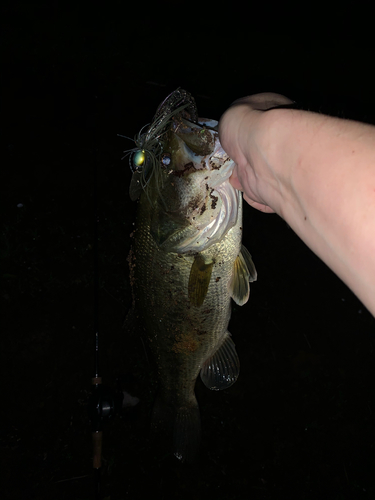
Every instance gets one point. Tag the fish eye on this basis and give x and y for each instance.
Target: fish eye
(138, 160)
(166, 159)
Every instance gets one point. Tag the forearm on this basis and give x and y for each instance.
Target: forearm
(323, 185)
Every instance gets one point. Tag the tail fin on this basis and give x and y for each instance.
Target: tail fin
(187, 433)
(177, 430)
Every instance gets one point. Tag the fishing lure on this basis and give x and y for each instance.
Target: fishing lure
(148, 155)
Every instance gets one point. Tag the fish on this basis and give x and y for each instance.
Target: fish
(187, 262)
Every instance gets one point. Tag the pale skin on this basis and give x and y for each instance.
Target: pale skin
(317, 172)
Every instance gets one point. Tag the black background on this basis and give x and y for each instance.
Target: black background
(299, 421)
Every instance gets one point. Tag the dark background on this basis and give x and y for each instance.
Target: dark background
(299, 423)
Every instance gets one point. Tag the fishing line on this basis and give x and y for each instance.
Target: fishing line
(94, 408)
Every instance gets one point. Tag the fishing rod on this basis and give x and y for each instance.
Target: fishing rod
(104, 402)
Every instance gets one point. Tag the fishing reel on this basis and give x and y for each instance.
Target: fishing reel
(104, 402)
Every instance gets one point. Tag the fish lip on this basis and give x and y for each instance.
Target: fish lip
(213, 159)
(199, 138)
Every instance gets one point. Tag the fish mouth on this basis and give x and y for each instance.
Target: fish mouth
(184, 173)
(202, 148)
(212, 210)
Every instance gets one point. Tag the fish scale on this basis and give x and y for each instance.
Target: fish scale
(181, 335)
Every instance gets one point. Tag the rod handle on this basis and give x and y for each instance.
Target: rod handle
(97, 440)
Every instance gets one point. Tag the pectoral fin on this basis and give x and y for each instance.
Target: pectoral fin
(243, 272)
(221, 370)
(200, 275)
(249, 263)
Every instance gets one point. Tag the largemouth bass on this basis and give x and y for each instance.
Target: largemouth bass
(187, 261)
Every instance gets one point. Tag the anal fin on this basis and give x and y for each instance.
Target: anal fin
(221, 370)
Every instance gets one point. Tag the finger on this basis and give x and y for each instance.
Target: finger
(264, 101)
(233, 179)
(259, 206)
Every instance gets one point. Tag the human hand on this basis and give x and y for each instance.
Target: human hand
(242, 135)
